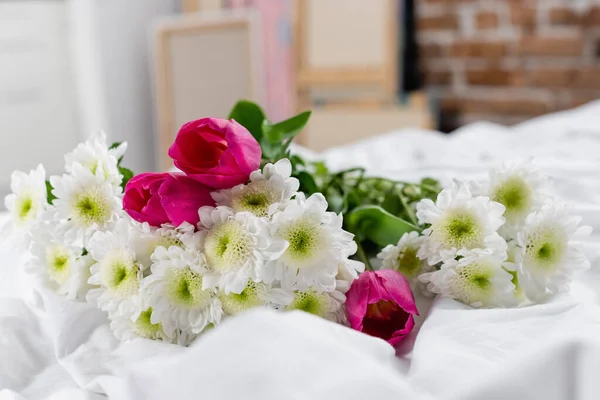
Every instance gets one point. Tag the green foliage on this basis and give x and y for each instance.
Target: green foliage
(275, 138)
(377, 225)
(50, 196)
(249, 115)
(127, 173)
(377, 211)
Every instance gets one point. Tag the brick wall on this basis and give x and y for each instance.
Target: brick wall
(509, 60)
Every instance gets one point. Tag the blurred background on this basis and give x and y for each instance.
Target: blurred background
(138, 69)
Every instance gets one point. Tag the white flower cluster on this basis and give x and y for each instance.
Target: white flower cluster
(86, 199)
(263, 245)
(497, 243)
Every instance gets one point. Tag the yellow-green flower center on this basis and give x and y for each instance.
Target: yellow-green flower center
(25, 207)
(307, 240)
(460, 229)
(234, 303)
(119, 273)
(408, 264)
(545, 248)
(310, 302)
(515, 195)
(59, 262)
(168, 241)
(183, 287)
(145, 327)
(256, 198)
(473, 283)
(228, 245)
(91, 206)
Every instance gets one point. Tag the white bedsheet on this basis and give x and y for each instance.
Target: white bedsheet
(51, 348)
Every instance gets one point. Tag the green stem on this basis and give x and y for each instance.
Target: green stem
(362, 256)
(409, 210)
(404, 183)
(335, 177)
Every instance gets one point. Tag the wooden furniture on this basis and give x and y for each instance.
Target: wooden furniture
(191, 6)
(346, 61)
(346, 44)
(204, 65)
(339, 124)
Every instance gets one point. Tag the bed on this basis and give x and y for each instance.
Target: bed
(51, 348)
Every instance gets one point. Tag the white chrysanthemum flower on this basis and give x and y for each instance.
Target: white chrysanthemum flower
(348, 271)
(28, 199)
(94, 154)
(57, 263)
(129, 326)
(117, 270)
(547, 256)
(459, 221)
(317, 244)
(328, 305)
(255, 294)
(86, 201)
(403, 256)
(404, 259)
(265, 192)
(237, 246)
(174, 291)
(150, 238)
(518, 186)
(477, 278)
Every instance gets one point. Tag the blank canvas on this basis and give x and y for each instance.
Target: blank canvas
(205, 67)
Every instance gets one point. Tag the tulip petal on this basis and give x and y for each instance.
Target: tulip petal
(402, 333)
(220, 181)
(243, 147)
(181, 197)
(357, 300)
(377, 289)
(398, 289)
(141, 200)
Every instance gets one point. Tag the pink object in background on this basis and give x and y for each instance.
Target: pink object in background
(276, 24)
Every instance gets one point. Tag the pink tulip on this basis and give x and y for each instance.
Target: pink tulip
(381, 304)
(182, 196)
(216, 152)
(165, 198)
(141, 200)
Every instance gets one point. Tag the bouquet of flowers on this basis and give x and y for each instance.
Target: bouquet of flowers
(246, 223)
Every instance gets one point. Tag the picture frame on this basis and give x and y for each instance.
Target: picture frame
(188, 87)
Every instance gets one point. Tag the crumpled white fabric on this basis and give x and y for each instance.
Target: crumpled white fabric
(53, 349)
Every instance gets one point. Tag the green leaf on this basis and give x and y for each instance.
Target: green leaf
(352, 200)
(392, 203)
(335, 200)
(307, 183)
(49, 194)
(250, 116)
(296, 161)
(127, 175)
(377, 225)
(321, 168)
(272, 134)
(291, 127)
